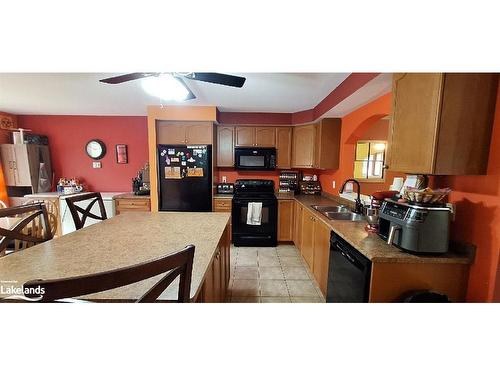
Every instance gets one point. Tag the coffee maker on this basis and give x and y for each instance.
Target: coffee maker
(415, 228)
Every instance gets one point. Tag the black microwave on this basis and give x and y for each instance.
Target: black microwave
(255, 158)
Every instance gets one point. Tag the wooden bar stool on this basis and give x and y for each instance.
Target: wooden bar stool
(75, 209)
(26, 225)
(177, 264)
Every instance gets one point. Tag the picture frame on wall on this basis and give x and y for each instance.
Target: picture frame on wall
(121, 154)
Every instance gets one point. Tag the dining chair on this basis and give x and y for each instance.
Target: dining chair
(26, 225)
(75, 209)
(52, 208)
(174, 265)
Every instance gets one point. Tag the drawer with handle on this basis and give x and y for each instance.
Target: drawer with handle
(132, 205)
(222, 205)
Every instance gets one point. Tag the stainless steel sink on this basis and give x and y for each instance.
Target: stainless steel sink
(347, 216)
(323, 209)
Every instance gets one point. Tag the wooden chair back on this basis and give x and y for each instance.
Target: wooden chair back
(76, 210)
(31, 227)
(52, 208)
(174, 265)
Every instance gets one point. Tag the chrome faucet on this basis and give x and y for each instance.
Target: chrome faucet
(359, 205)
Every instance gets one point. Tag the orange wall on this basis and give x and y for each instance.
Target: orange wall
(357, 125)
(477, 198)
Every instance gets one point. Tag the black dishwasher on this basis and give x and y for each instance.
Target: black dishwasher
(348, 273)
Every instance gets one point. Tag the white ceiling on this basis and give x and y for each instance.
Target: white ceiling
(83, 94)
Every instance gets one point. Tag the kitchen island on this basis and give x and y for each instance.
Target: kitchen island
(129, 239)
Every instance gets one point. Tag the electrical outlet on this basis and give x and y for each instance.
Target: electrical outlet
(96, 164)
(333, 184)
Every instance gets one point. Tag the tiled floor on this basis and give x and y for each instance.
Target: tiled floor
(271, 274)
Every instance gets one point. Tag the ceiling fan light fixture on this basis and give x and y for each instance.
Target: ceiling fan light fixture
(166, 87)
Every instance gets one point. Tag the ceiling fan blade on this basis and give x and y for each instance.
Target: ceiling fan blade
(127, 77)
(191, 95)
(219, 78)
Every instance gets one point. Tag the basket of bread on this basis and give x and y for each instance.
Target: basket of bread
(426, 195)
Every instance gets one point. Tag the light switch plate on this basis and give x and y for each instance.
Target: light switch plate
(96, 164)
(333, 184)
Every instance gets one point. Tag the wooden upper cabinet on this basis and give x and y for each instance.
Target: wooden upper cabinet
(283, 147)
(317, 145)
(189, 132)
(199, 134)
(303, 146)
(245, 136)
(265, 136)
(441, 123)
(327, 147)
(225, 146)
(171, 134)
(261, 136)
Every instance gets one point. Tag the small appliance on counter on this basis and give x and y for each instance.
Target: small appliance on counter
(141, 184)
(310, 187)
(289, 182)
(225, 188)
(415, 228)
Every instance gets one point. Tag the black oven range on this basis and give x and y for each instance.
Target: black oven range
(258, 197)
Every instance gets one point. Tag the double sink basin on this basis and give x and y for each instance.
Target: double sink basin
(338, 213)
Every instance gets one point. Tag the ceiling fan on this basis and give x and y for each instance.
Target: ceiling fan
(173, 79)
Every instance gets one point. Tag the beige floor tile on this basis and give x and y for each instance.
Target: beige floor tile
(273, 288)
(247, 250)
(267, 251)
(287, 251)
(271, 273)
(291, 261)
(246, 261)
(307, 299)
(295, 273)
(301, 288)
(245, 288)
(275, 299)
(246, 273)
(268, 261)
(248, 299)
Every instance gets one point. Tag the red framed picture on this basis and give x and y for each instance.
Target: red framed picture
(121, 154)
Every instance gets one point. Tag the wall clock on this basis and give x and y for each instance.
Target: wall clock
(95, 149)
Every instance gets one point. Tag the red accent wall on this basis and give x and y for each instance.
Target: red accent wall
(68, 136)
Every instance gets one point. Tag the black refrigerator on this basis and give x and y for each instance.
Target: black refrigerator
(185, 177)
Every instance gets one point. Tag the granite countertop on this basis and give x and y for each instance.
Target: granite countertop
(121, 241)
(131, 196)
(370, 244)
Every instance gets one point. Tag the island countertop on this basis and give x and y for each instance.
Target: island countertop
(121, 241)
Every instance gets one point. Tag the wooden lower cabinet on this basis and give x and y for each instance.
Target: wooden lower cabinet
(285, 220)
(224, 205)
(215, 286)
(307, 242)
(132, 205)
(297, 224)
(390, 280)
(321, 254)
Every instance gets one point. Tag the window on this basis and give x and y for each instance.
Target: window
(369, 160)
